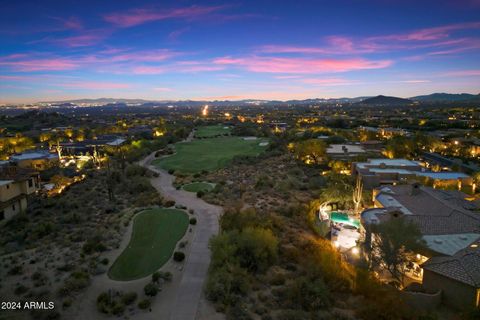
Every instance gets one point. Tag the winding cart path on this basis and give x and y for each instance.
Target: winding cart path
(188, 294)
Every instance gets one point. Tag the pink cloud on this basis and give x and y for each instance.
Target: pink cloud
(144, 56)
(94, 85)
(462, 73)
(329, 82)
(174, 35)
(414, 81)
(195, 66)
(466, 45)
(302, 65)
(291, 49)
(287, 77)
(437, 37)
(140, 16)
(15, 78)
(434, 33)
(148, 70)
(83, 40)
(162, 89)
(24, 63)
(70, 23)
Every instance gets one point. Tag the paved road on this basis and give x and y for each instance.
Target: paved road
(189, 292)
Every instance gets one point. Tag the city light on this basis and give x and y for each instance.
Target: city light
(205, 110)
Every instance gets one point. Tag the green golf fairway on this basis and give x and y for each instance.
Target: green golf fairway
(198, 186)
(154, 237)
(211, 131)
(209, 154)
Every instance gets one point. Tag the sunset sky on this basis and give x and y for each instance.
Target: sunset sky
(53, 50)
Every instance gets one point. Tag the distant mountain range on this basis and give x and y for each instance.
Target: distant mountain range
(447, 97)
(99, 101)
(385, 100)
(380, 100)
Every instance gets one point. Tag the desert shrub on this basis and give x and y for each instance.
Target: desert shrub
(150, 289)
(118, 308)
(310, 294)
(42, 230)
(135, 170)
(144, 304)
(193, 221)
(157, 275)
(226, 284)
(178, 256)
(293, 315)
(39, 279)
(321, 259)
(104, 302)
(45, 314)
(139, 184)
(239, 220)
(169, 203)
(20, 289)
(93, 244)
(104, 261)
(15, 270)
(200, 193)
(77, 280)
(66, 267)
(388, 305)
(238, 312)
(276, 278)
(129, 297)
(256, 249)
(67, 303)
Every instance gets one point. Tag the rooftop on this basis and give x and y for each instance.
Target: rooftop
(5, 182)
(445, 219)
(33, 155)
(345, 148)
(464, 266)
(389, 162)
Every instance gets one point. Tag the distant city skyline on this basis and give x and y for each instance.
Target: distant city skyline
(214, 50)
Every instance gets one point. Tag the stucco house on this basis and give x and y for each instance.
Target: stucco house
(450, 228)
(16, 185)
(38, 160)
(377, 172)
(457, 276)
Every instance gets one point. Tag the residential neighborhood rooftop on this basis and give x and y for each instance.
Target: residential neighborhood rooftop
(445, 219)
(32, 155)
(464, 266)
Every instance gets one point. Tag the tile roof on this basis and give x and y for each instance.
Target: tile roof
(436, 213)
(464, 266)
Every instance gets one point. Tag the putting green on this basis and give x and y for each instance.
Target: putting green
(212, 131)
(209, 154)
(198, 186)
(154, 237)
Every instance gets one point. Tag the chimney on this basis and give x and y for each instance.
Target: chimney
(415, 189)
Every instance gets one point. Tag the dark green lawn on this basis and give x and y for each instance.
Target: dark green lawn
(154, 237)
(208, 154)
(198, 186)
(212, 131)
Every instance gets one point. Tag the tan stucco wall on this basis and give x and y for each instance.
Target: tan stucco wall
(15, 208)
(454, 293)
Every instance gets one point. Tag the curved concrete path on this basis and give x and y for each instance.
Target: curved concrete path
(189, 292)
